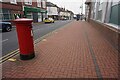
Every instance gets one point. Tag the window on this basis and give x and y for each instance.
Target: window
(0, 0)
(44, 16)
(99, 17)
(101, 1)
(100, 7)
(44, 4)
(1, 14)
(30, 15)
(13, 1)
(114, 15)
(114, 3)
(28, 2)
(39, 3)
(39, 17)
(5, 14)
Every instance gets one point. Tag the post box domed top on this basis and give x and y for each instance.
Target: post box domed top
(23, 20)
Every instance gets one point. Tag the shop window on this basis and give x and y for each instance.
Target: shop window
(93, 15)
(99, 17)
(114, 15)
(39, 17)
(30, 16)
(5, 14)
(39, 3)
(1, 16)
(101, 1)
(44, 4)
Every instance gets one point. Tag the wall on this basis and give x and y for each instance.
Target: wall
(52, 11)
(111, 34)
(16, 7)
(114, 15)
(109, 14)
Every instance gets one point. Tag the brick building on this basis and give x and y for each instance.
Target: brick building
(33, 9)
(10, 10)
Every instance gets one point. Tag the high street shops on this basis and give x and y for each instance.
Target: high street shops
(12, 10)
(36, 14)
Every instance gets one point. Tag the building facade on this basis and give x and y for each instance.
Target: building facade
(44, 9)
(58, 13)
(66, 14)
(33, 9)
(104, 16)
(105, 11)
(52, 10)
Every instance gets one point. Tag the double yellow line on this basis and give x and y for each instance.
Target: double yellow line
(9, 55)
(15, 52)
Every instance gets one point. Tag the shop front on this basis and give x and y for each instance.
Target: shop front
(34, 13)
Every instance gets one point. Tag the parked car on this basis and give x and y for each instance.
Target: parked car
(49, 20)
(5, 26)
(63, 18)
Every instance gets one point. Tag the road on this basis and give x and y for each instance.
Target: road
(10, 42)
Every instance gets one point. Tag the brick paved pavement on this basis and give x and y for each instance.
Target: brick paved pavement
(75, 51)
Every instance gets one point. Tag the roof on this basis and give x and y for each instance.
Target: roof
(49, 4)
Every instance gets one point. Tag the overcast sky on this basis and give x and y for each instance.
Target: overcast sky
(73, 5)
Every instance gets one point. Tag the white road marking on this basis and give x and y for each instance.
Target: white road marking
(36, 30)
(4, 40)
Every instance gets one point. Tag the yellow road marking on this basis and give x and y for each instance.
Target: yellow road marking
(9, 54)
(3, 60)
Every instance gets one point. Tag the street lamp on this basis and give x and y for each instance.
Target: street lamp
(81, 9)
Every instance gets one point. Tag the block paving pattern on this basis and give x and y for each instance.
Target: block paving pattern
(72, 52)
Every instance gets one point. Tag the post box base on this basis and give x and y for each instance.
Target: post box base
(27, 57)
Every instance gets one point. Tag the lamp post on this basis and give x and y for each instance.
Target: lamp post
(81, 8)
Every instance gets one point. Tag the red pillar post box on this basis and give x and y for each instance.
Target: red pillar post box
(25, 38)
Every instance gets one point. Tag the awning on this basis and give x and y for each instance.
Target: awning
(33, 9)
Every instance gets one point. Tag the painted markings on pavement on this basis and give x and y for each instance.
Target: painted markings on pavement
(4, 40)
(98, 72)
(36, 30)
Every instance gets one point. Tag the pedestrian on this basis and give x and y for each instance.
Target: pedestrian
(85, 18)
